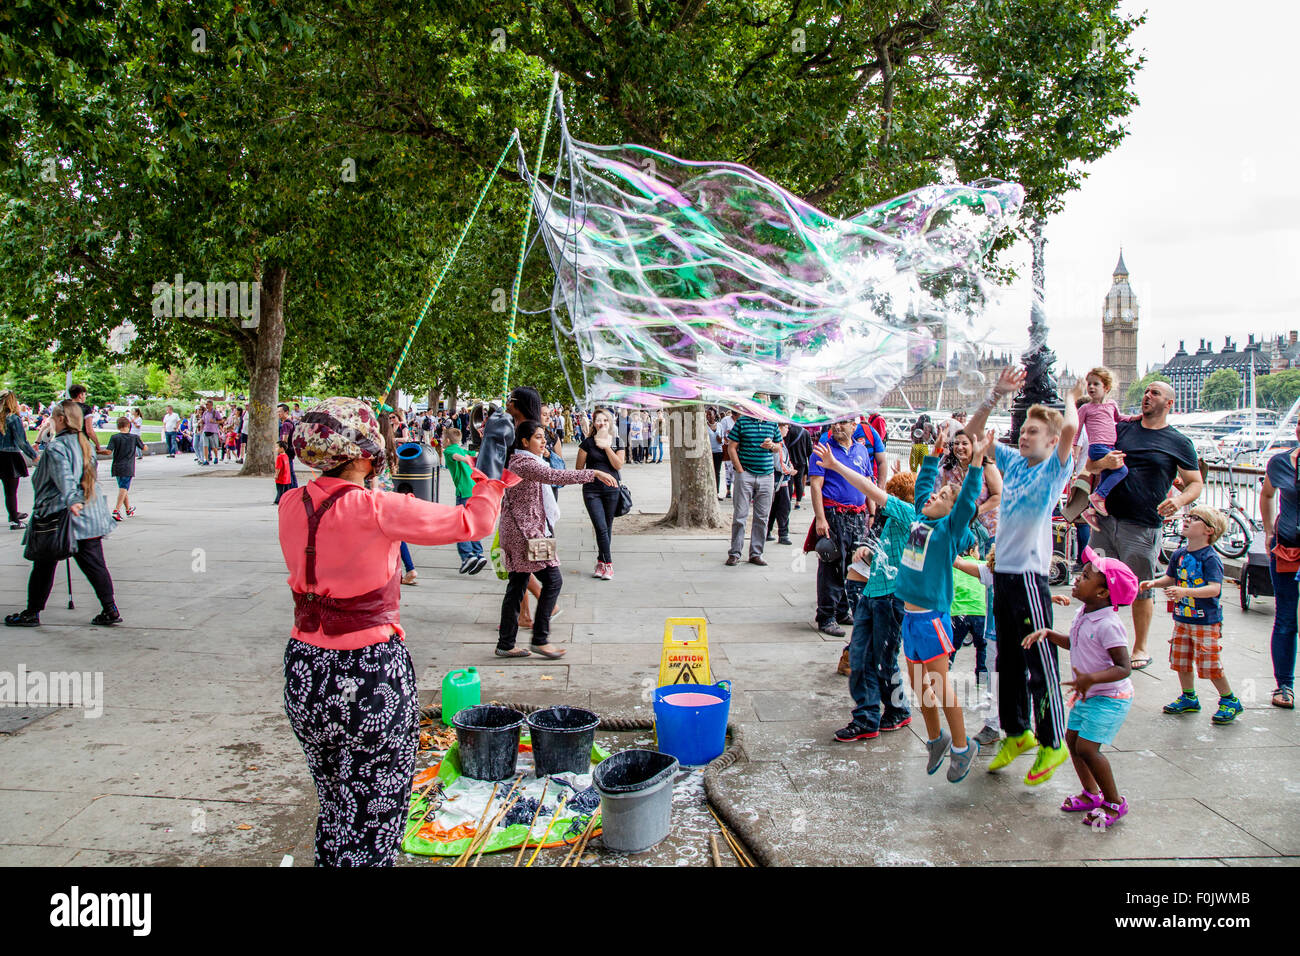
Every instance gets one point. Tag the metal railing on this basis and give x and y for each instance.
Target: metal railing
(1246, 478)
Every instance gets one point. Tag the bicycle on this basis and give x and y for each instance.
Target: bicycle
(1236, 541)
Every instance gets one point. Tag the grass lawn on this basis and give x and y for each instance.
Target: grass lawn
(105, 434)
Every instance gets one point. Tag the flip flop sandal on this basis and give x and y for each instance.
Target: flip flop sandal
(554, 655)
(1140, 663)
(1103, 820)
(1283, 697)
(1082, 802)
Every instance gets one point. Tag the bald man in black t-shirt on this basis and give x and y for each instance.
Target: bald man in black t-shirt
(1154, 452)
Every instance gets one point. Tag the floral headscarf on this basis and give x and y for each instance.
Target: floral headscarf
(337, 431)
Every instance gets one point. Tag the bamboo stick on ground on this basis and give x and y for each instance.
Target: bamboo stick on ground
(533, 822)
(580, 844)
(429, 805)
(482, 846)
(741, 857)
(591, 829)
(484, 831)
(713, 848)
(555, 816)
(479, 826)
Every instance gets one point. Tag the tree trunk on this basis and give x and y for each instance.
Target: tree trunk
(690, 463)
(435, 396)
(264, 375)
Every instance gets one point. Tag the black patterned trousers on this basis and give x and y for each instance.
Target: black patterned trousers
(356, 714)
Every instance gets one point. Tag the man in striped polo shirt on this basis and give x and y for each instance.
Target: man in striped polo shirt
(753, 447)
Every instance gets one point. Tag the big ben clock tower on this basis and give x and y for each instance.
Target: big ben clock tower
(1119, 331)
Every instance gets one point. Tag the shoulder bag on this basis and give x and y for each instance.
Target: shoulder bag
(49, 538)
(624, 505)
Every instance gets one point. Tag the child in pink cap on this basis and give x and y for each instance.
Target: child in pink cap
(1103, 693)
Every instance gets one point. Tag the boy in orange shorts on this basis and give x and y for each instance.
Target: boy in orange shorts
(1194, 583)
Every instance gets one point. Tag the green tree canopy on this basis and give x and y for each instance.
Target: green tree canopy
(314, 149)
(1279, 390)
(1222, 391)
(1133, 396)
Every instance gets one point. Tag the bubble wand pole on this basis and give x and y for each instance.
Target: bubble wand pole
(511, 338)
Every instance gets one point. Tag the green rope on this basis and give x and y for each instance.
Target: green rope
(443, 274)
(511, 338)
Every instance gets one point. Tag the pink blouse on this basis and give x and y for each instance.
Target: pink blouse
(358, 541)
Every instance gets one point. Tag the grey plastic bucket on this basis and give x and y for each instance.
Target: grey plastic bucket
(636, 798)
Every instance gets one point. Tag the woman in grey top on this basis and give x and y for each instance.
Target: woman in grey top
(65, 478)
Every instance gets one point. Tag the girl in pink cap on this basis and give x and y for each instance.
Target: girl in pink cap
(1103, 693)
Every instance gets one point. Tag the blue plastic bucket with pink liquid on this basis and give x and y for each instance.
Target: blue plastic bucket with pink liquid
(691, 721)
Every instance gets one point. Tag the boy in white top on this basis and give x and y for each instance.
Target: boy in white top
(1033, 479)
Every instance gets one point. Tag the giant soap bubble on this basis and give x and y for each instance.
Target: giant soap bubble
(692, 281)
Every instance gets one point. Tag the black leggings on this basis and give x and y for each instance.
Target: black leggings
(11, 497)
(90, 558)
(601, 502)
(551, 581)
(718, 458)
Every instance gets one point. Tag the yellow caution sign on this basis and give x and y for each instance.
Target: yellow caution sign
(685, 660)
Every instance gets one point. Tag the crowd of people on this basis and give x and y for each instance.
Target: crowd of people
(956, 549)
(951, 551)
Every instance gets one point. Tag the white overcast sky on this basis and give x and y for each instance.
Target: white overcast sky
(1203, 194)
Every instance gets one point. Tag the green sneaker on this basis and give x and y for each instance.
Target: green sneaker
(1187, 703)
(1012, 747)
(1229, 708)
(1045, 764)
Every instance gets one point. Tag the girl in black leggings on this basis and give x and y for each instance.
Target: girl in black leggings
(597, 452)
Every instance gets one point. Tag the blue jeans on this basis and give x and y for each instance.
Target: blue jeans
(406, 558)
(1286, 596)
(1111, 476)
(171, 442)
(468, 549)
(873, 659)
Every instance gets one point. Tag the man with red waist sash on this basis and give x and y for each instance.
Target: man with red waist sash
(839, 512)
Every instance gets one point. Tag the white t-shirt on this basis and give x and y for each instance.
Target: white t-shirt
(171, 422)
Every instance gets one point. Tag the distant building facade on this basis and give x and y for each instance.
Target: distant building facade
(936, 385)
(1119, 330)
(1187, 371)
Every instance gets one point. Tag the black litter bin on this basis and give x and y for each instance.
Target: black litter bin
(416, 466)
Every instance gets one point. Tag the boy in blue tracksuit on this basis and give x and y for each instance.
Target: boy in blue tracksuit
(939, 534)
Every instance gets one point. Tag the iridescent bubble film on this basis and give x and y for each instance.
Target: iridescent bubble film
(685, 281)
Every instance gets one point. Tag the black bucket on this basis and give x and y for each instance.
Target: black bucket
(489, 741)
(562, 739)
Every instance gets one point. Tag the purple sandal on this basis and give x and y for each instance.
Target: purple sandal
(1101, 819)
(1081, 802)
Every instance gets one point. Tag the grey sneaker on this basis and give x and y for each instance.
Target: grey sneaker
(938, 750)
(987, 737)
(961, 760)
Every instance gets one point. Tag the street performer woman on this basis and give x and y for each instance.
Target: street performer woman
(349, 686)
